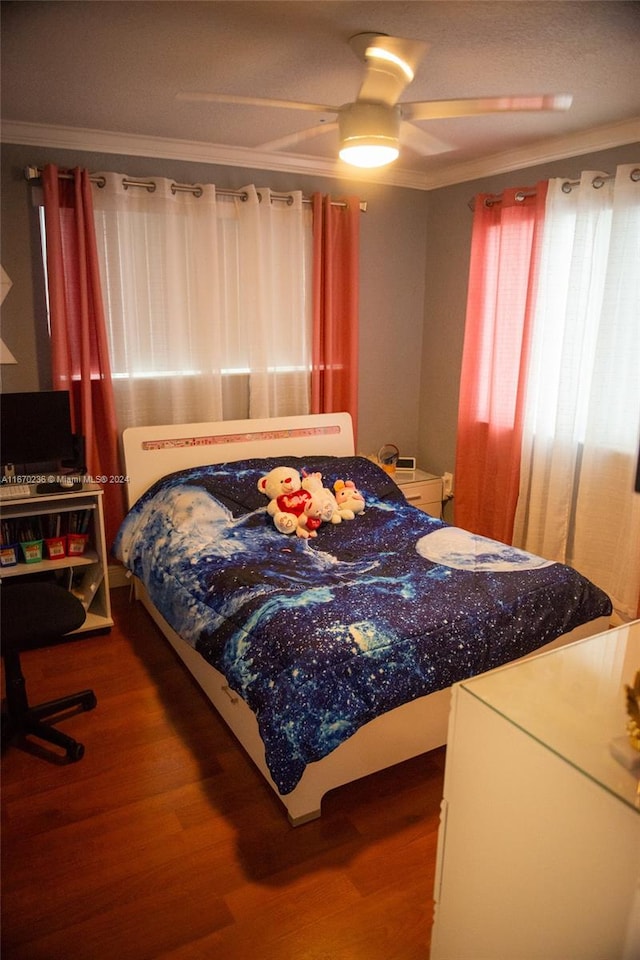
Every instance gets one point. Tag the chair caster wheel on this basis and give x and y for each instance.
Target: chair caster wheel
(75, 752)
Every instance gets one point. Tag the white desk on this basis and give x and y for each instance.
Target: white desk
(89, 570)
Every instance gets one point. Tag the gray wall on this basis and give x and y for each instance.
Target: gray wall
(414, 261)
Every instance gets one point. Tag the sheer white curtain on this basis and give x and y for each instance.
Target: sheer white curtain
(207, 300)
(582, 423)
(275, 243)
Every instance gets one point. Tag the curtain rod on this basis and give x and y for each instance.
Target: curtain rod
(567, 187)
(35, 173)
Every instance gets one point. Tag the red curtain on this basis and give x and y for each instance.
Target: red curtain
(504, 255)
(79, 351)
(334, 375)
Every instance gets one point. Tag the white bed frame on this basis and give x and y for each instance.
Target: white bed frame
(407, 731)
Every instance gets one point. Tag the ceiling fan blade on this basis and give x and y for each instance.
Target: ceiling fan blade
(391, 64)
(445, 109)
(255, 101)
(422, 142)
(293, 139)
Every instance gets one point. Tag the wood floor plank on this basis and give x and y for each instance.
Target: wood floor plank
(165, 843)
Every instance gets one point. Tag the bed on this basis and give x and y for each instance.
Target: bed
(330, 657)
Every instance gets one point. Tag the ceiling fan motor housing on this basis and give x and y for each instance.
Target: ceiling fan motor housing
(374, 124)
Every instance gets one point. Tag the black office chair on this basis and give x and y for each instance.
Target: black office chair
(37, 614)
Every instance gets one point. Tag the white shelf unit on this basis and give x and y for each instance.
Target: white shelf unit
(421, 489)
(92, 563)
(539, 842)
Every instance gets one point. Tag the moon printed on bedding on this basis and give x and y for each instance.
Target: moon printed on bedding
(320, 636)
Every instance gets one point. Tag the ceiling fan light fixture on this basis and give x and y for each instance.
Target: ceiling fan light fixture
(369, 152)
(369, 134)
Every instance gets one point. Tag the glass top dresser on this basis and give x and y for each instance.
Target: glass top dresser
(539, 844)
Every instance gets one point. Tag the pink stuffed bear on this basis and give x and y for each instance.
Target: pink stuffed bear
(293, 509)
(348, 497)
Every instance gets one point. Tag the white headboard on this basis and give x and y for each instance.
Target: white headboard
(152, 452)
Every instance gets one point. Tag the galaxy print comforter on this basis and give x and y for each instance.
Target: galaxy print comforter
(320, 636)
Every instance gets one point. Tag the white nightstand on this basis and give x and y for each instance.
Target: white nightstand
(421, 489)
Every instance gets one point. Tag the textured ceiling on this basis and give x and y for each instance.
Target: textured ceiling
(117, 66)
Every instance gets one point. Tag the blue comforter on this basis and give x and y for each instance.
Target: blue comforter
(320, 636)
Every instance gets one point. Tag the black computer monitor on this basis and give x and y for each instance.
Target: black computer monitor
(35, 429)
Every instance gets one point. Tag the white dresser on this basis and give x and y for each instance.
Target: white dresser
(539, 843)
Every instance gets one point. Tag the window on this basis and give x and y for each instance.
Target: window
(207, 300)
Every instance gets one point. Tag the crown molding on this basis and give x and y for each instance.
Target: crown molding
(195, 151)
(104, 141)
(560, 148)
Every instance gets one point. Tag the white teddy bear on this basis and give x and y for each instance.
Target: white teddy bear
(332, 512)
(293, 509)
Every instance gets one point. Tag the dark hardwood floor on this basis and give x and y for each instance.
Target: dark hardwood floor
(164, 842)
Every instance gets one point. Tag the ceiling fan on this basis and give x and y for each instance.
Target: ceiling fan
(372, 128)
